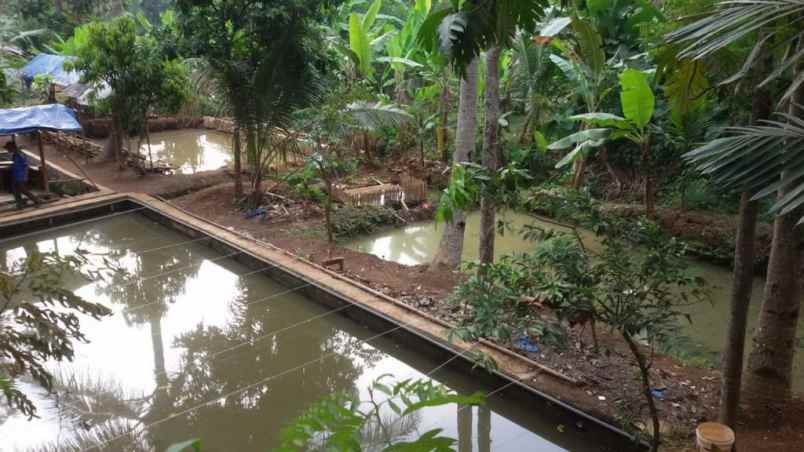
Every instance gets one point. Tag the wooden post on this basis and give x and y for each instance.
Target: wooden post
(43, 164)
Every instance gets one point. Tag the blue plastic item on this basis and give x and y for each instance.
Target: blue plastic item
(258, 212)
(526, 345)
(658, 393)
(52, 65)
(30, 119)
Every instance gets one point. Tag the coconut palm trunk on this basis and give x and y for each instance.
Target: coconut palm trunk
(451, 247)
(770, 364)
(488, 206)
(441, 130)
(732, 365)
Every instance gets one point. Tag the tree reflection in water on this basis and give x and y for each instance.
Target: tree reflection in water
(198, 374)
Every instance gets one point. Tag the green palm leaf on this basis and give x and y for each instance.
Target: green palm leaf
(734, 20)
(761, 159)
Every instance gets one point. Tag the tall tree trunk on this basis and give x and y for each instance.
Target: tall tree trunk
(115, 143)
(441, 130)
(770, 364)
(732, 365)
(238, 165)
(451, 247)
(488, 206)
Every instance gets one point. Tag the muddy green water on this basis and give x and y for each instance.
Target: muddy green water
(191, 150)
(190, 352)
(704, 338)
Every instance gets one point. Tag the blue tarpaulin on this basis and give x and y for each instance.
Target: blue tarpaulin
(29, 119)
(52, 65)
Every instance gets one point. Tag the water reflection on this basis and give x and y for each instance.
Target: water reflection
(189, 352)
(417, 244)
(191, 150)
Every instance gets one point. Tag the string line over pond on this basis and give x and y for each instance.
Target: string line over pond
(70, 225)
(100, 444)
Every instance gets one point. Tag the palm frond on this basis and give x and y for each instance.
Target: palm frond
(734, 20)
(476, 25)
(374, 115)
(763, 159)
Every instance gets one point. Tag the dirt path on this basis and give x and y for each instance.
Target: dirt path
(304, 237)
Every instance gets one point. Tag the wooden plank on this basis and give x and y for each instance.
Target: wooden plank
(42, 163)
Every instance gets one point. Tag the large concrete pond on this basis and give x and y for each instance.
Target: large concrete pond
(201, 346)
(416, 244)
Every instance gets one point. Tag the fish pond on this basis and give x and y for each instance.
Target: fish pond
(190, 151)
(702, 340)
(200, 345)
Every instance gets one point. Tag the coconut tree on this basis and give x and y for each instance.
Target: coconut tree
(764, 160)
(465, 29)
(450, 248)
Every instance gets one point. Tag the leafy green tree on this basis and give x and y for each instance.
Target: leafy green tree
(641, 298)
(39, 320)
(266, 58)
(140, 76)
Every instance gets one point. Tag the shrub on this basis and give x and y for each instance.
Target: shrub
(496, 302)
(352, 221)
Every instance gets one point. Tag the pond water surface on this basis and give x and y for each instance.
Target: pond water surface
(417, 243)
(190, 150)
(201, 346)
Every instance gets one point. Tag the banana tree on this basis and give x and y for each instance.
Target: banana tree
(586, 67)
(402, 50)
(638, 105)
(531, 72)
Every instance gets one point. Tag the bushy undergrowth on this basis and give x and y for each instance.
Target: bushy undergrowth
(495, 305)
(353, 221)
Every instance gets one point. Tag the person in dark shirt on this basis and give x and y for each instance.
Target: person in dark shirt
(19, 176)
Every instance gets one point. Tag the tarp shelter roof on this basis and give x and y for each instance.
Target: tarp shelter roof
(52, 65)
(30, 119)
